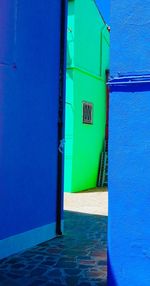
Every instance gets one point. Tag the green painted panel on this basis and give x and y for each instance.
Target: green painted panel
(69, 131)
(88, 28)
(88, 138)
(70, 34)
(88, 58)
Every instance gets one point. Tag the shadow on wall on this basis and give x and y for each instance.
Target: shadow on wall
(110, 275)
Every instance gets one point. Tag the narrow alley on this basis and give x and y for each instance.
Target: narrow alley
(78, 258)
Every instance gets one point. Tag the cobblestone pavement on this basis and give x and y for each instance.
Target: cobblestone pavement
(76, 259)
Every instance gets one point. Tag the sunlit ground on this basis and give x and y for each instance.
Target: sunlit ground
(94, 201)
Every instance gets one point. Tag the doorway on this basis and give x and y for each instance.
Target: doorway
(86, 133)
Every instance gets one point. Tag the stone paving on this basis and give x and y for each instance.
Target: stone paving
(76, 259)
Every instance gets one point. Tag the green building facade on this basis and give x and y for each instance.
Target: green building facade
(87, 62)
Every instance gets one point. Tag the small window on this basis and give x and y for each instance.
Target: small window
(87, 113)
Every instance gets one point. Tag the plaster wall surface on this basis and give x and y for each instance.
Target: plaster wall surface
(129, 146)
(88, 59)
(29, 93)
(129, 165)
(130, 36)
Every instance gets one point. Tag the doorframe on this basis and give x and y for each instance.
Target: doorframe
(61, 116)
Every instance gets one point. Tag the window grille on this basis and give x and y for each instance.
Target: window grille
(87, 113)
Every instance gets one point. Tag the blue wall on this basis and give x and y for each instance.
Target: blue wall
(130, 30)
(104, 7)
(129, 145)
(29, 93)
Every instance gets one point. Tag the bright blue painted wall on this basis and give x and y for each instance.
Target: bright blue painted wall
(29, 90)
(104, 7)
(129, 146)
(130, 30)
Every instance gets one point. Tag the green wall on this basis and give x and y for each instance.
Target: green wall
(88, 58)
